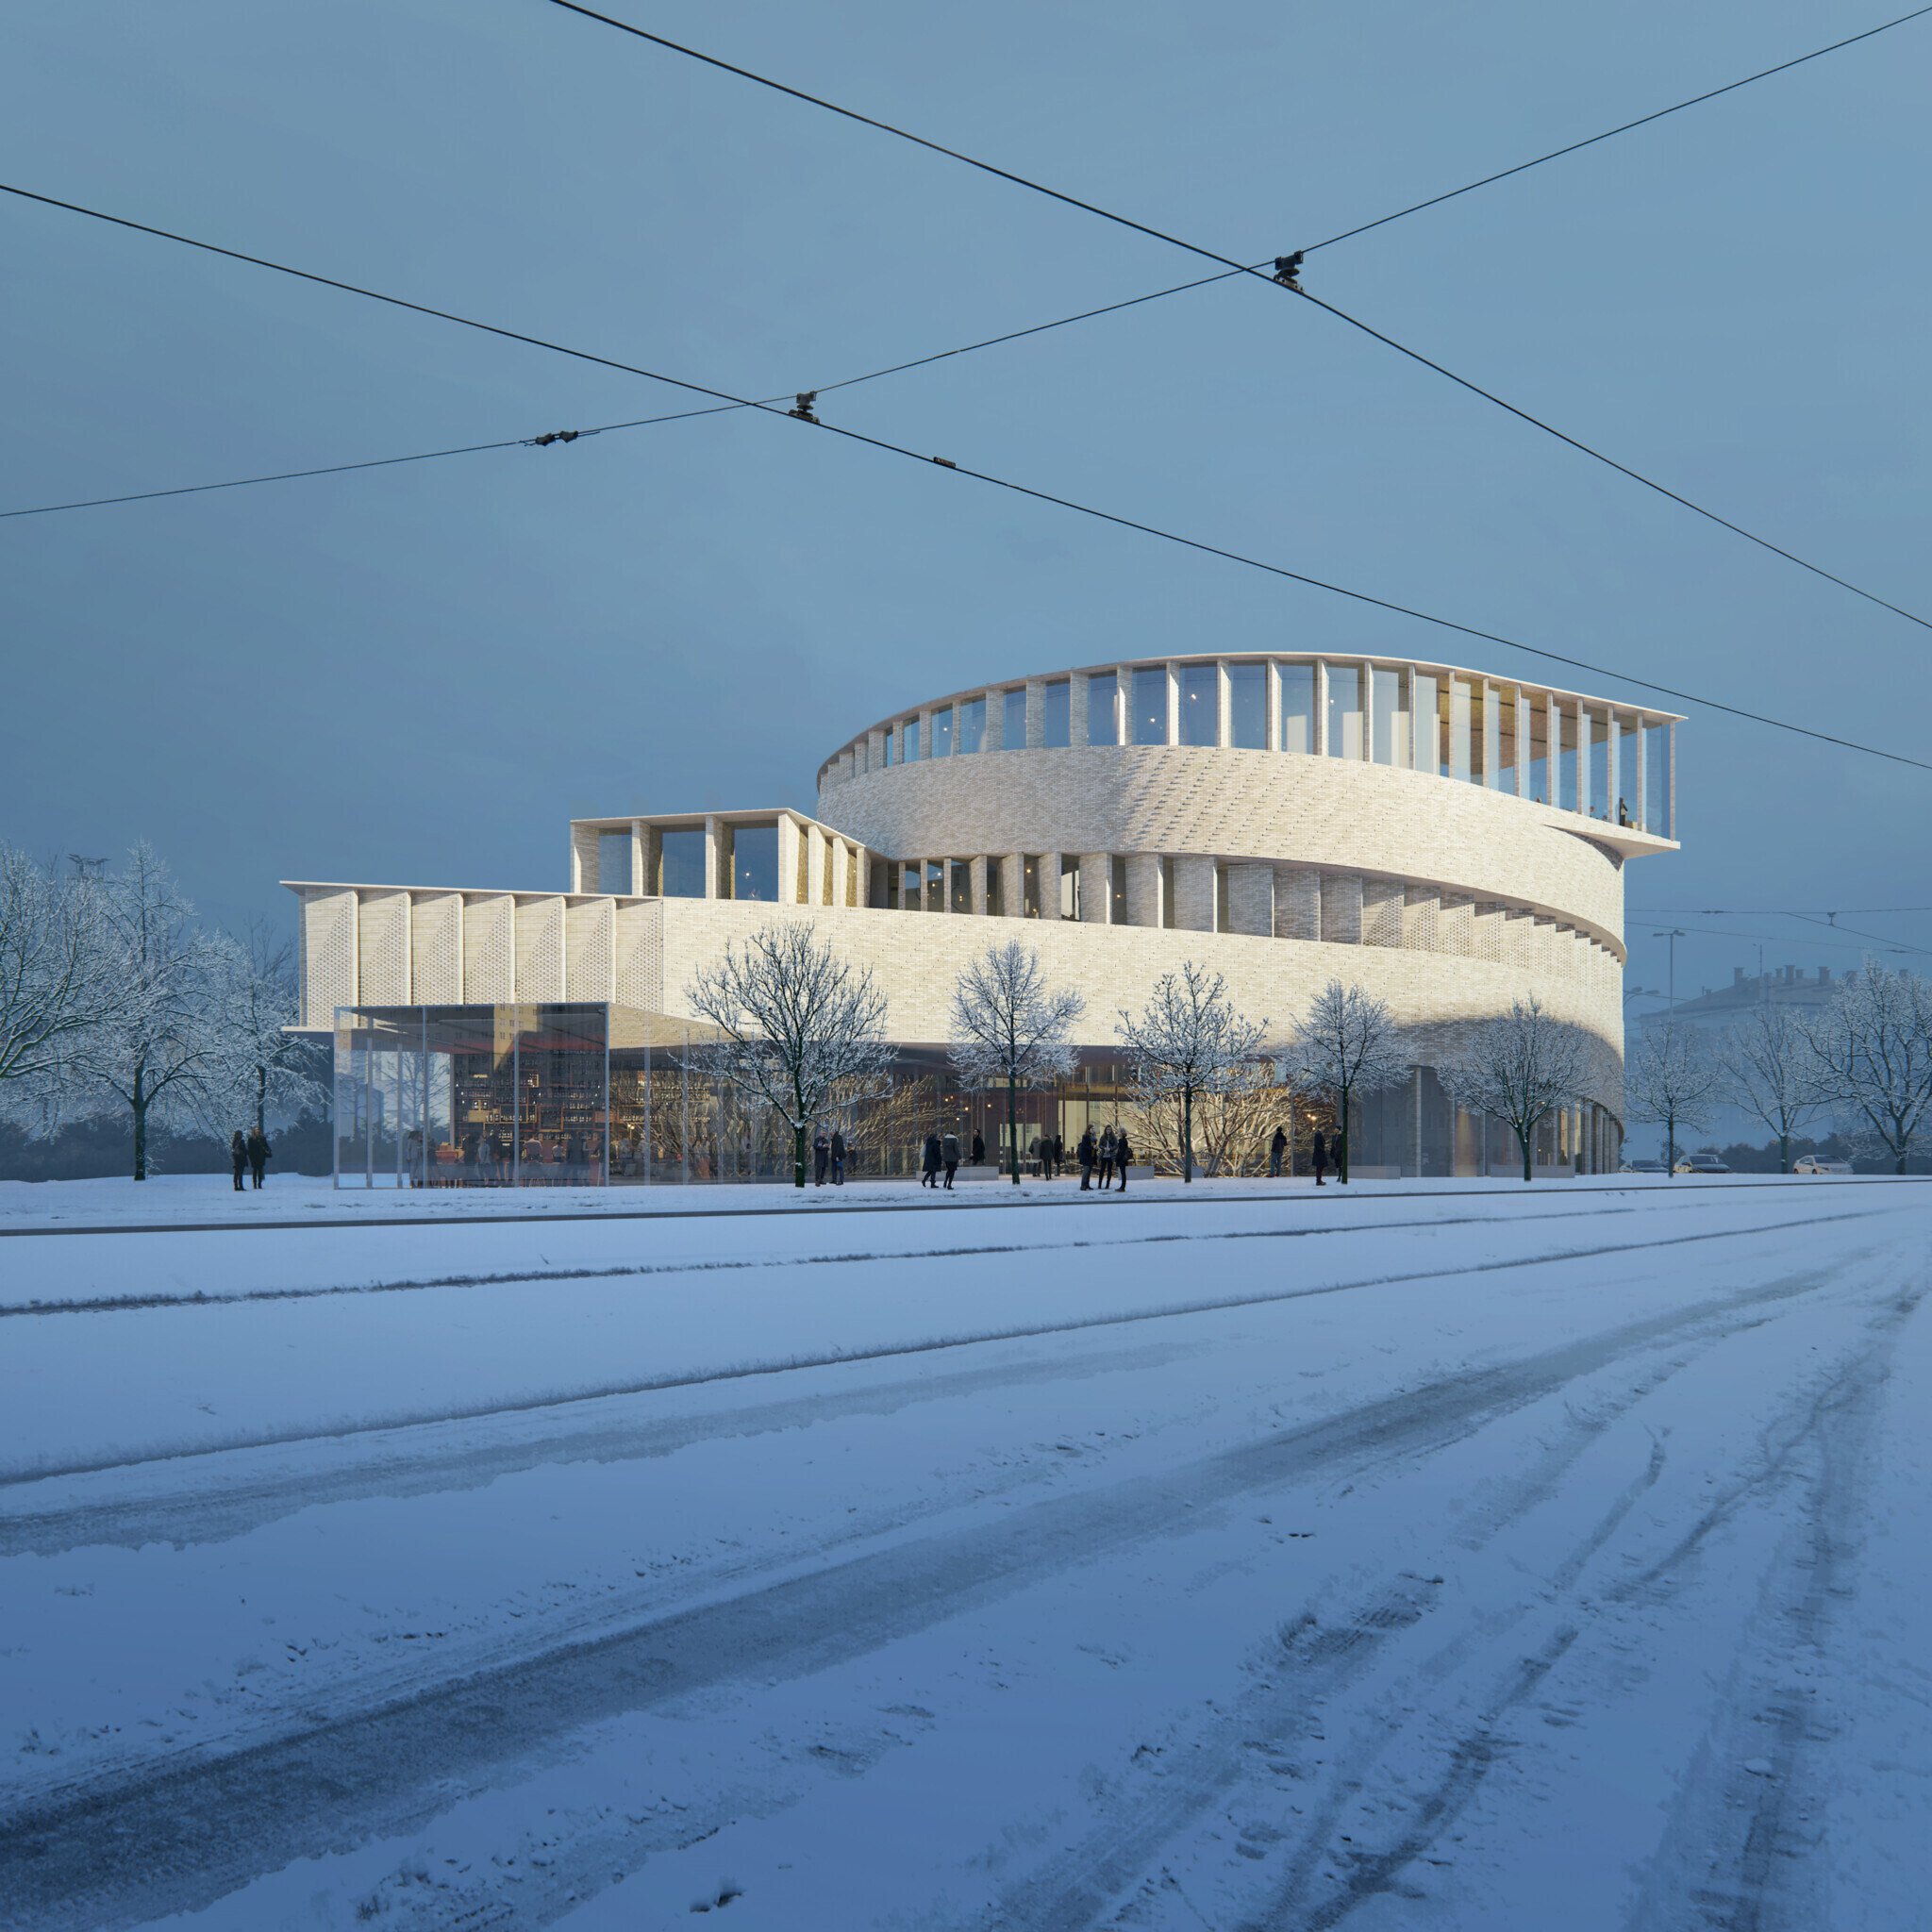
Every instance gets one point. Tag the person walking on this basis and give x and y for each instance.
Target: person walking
(1123, 1153)
(1033, 1155)
(929, 1162)
(949, 1153)
(821, 1157)
(1087, 1153)
(978, 1148)
(1321, 1157)
(1276, 1148)
(837, 1157)
(1059, 1156)
(1106, 1159)
(259, 1153)
(237, 1157)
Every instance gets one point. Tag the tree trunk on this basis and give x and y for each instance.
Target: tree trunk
(261, 1099)
(798, 1156)
(1904, 1154)
(1341, 1139)
(1670, 1147)
(1013, 1126)
(1187, 1136)
(1784, 1154)
(140, 1104)
(1527, 1141)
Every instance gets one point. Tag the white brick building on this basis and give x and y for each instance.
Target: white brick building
(1450, 841)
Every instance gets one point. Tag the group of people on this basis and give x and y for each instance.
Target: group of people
(250, 1154)
(828, 1152)
(1277, 1153)
(1110, 1154)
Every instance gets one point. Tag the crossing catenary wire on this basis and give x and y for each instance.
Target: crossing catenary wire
(1119, 521)
(1288, 284)
(1006, 336)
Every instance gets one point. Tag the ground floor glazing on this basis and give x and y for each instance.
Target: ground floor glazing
(582, 1095)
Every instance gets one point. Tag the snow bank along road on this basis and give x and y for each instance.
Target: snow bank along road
(1477, 1562)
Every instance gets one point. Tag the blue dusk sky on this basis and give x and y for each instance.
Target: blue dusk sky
(419, 673)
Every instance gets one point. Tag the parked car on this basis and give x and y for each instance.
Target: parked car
(1816, 1164)
(1643, 1167)
(1699, 1164)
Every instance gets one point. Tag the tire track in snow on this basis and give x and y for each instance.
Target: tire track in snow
(702, 1377)
(195, 1512)
(188, 1828)
(1845, 1400)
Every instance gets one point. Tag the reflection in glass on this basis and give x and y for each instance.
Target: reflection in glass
(1117, 890)
(1102, 708)
(1597, 774)
(1070, 884)
(1298, 708)
(1013, 719)
(942, 733)
(961, 896)
(1626, 770)
(613, 863)
(1247, 705)
(1656, 787)
(754, 851)
(882, 890)
(972, 724)
(1459, 728)
(1054, 720)
(909, 886)
(935, 885)
(1200, 704)
(1499, 740)
(681, 860)
(1345, 710)
(1150, 704)
(995, 890)
(1029, 886)
(908, 741)
(1387, 717)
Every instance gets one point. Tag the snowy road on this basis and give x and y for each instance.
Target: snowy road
(1476, 1561)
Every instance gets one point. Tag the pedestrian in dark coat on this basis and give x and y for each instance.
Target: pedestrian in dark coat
(949, 1153)
(1321, 1157)
(978, 1148)
(1060, 1154)
(1276, 1148)
(837, 1157)
(1087, 1153)
(1106, 1159)
(237, 1157)
(259, 1153)
(821, 1157)
(929, 1162)
(1123, 1153)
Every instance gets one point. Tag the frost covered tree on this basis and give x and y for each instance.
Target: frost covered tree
(1772, 1072)
(163, 1051)
(800, 1028)
(1672, 1077)
(1188, 1040)
(1519, 1068)
(1872, 1049)
(55, 983)
(1348, 1047)
(1009, 1029)
(280, 1070)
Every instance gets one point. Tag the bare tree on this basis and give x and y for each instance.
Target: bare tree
(1188, 1040)
(1009, 1029)
(800, 1028)
(162, 1051)
(55, 983)
(1230, 1128)
(1347, 1048)
(1519, 1068)
(1772, 1072)
(1672, 1077)
(1872, 1052)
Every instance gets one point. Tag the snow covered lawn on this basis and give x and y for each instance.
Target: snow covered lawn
(1464, 1557)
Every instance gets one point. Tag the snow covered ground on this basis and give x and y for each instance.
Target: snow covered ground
(1456, 1557)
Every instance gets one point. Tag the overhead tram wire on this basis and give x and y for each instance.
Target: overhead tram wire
(988, 342)
(1125, 522)
(1288, 286)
